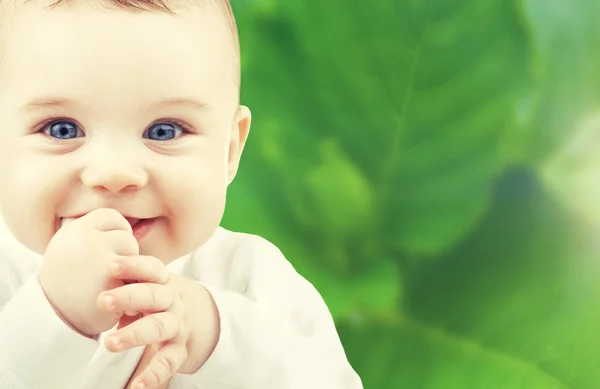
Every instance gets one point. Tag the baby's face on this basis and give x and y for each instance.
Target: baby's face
(104, 108)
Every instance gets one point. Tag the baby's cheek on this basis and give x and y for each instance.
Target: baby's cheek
(201, 219)
(193, 196)
(32, 191)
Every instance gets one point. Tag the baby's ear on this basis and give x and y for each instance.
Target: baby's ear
(239, 135)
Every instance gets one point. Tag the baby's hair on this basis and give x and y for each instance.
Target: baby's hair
(162, 5)
(223, 6)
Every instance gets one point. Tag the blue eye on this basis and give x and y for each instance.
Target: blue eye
(163, 131)
(63, 130)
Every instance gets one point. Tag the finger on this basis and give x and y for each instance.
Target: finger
(140, 268)
(122, 242)
(150, 329)
(106, 219)
(163, 366)
(137, 297)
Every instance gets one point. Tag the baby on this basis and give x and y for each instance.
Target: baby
(121, 131)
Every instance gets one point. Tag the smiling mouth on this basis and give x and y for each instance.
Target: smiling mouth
(134, 222)
(140, 227)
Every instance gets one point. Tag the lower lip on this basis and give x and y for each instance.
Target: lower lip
(141, 229)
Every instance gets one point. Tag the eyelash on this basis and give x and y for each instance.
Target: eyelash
(186, 128)
(43, 126)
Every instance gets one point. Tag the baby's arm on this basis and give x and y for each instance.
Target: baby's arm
(37, 349)
(277, 334)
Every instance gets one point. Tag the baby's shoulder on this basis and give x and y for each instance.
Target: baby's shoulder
(233, 258)
(227, 243)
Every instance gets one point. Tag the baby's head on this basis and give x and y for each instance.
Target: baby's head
(122, 104)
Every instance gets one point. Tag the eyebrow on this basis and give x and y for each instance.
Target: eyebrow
(190, 103)
(46, 102)
(57, 102)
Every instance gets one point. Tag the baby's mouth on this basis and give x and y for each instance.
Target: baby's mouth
(134, 222)
(140, 227)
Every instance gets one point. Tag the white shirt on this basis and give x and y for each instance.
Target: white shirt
(276, 331)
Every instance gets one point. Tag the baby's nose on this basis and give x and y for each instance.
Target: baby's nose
(114, 176)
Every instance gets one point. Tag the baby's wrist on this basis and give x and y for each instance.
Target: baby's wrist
(206, 329)
(68, 322)
(212, 325)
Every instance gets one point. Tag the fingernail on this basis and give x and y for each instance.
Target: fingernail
(116, 342)
(110, 302)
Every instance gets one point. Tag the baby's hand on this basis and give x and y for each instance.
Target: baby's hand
(75, 271)
(179, 317)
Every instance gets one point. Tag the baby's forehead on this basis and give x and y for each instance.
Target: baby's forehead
(212, 8)
(151, 54)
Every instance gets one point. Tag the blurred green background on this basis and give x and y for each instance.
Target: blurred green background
(430, 166)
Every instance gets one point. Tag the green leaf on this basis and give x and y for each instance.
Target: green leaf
(525, 286)
(391, 102)
(379, 131)
(409, 354)
(339, 194)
